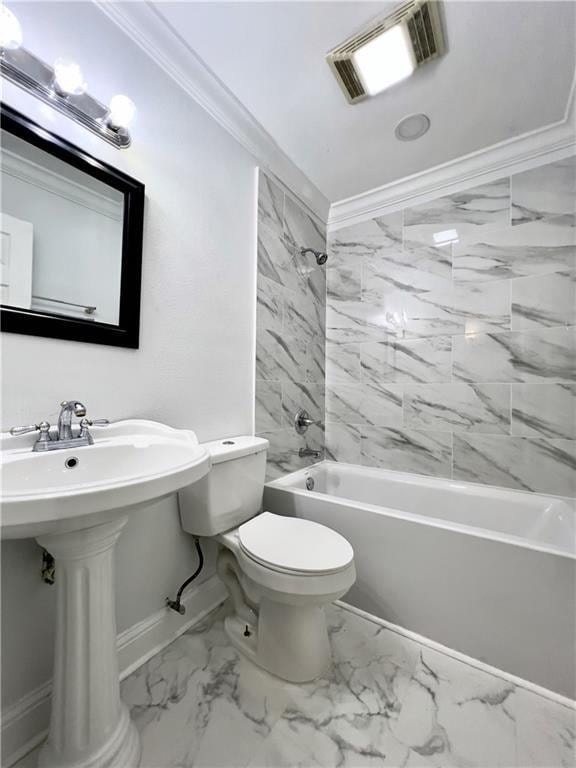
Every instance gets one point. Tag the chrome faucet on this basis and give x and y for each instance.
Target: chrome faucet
(63, 436)
(69, 407)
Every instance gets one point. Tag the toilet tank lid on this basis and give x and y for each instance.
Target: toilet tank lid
(234, 447)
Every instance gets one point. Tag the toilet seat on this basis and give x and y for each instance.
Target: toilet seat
(294, 546)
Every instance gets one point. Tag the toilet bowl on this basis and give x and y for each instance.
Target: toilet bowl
(292, 568)
(280, 571)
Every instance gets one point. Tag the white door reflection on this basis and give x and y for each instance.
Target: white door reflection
(16, 246)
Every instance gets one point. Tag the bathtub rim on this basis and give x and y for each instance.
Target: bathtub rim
(282, 483)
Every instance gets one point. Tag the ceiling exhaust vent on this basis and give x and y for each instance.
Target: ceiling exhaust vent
(388, 50)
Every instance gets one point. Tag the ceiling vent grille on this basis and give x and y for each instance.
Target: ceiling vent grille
(423, 23)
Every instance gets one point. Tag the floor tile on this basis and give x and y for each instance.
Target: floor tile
(546, 732)
(387, 701)
(198, 703)
(456, 715)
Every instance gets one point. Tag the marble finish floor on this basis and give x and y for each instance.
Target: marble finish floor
(387, 701)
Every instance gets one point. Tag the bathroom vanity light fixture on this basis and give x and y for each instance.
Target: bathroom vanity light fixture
(62, 86)
(389, 50)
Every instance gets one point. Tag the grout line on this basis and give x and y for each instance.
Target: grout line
(510, 305)
(511, 410)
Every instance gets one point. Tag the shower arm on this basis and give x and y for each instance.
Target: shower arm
(320, 256)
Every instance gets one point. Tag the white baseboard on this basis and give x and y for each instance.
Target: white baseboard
(462, 657)
(25, 723)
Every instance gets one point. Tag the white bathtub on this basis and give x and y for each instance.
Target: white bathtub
(486, 571)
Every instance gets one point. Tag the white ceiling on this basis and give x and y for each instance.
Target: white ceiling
(508, 70)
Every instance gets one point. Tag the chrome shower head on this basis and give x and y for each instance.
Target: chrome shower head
(320, 256)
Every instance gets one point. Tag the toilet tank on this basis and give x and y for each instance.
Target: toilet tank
(231, 492)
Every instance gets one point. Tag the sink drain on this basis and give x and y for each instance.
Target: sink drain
(71, 462)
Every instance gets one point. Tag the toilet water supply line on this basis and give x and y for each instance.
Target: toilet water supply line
(176, 605)
(48, 576)
(227, 569)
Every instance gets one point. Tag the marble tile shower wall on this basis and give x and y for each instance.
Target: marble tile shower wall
(451, 339)
(290, 328)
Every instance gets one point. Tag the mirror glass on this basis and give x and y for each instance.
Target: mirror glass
(61, 236)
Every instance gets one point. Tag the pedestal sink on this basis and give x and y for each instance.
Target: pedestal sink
(75, 502)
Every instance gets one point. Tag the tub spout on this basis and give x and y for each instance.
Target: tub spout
(304, 452)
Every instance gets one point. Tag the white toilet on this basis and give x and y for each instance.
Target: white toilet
(280, 571)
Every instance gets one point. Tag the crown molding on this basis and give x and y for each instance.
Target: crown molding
(544, 145)
(150, 31)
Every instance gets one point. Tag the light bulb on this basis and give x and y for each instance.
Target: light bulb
(122, 111)
(10, 30)
(68, 78)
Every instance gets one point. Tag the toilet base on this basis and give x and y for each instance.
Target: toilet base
(290, 641)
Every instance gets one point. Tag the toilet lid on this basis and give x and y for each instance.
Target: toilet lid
(292, 544)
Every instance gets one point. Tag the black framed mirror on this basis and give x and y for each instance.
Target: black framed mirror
(71, 231)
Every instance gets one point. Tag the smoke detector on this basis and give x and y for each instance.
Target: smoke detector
(389, 50)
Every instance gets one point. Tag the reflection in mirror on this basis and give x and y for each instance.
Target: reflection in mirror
(61, 236)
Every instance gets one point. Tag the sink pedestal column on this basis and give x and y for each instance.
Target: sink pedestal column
(90, 726)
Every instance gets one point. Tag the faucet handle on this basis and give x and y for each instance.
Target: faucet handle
(43, 428)
(302, 421)
(24, 430)
(85, 423)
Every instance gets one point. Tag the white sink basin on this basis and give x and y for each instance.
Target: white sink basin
(131, 462)
(76, 502)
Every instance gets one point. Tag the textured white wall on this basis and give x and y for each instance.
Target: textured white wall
(195, 365)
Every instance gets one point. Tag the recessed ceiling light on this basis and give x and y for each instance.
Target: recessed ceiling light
(412, 127)
(389, 50)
